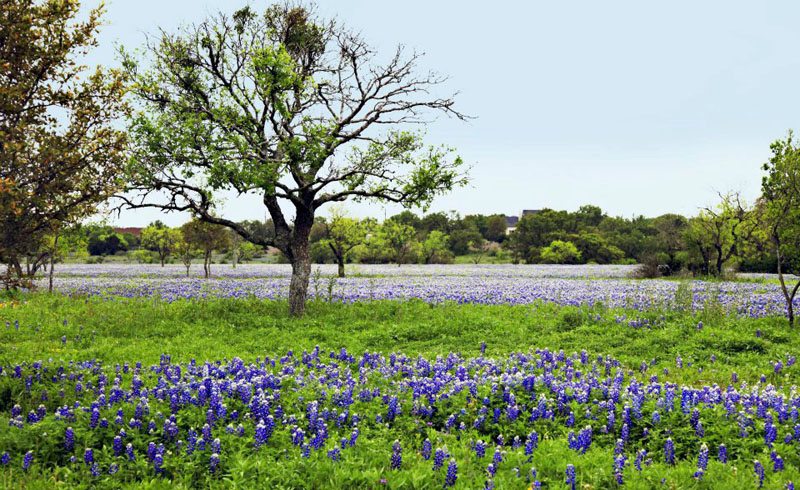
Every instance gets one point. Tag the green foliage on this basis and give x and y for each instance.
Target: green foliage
(559, 252)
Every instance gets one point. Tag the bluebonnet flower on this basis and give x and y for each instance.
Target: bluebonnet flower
(570, 476)
(113, 469)
(5, 458)
(88, 456)
(94, 470)
(27, 460)
(480, 449)
(531, 443)
(777, 462)
(722, 453)
(69, 439)
(640, 455)
(438, 458)
(702, 458)
(759, 470)
(334, 454)
(129, 451)
(426, 449)
(397, 455)
(213, 463)
(452, 474)
(498, 456)
(669, 451)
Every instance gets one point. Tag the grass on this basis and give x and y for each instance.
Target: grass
(128, 330)
(122, 330)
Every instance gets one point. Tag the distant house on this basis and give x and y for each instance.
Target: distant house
(511, 221)
(137, 232)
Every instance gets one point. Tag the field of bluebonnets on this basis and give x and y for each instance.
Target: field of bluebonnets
(398, 377)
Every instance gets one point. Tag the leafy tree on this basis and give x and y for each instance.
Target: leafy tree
(185, 251)
(400, 239)
(60, 156)
(342, 235)
(434, 247)
(461, 238)
(496, 227)
(289, 107)
(435, 221)
(161, 239)
(205, 237)
(560, 252)
(720, 232)
(479, 248)
(781, 194)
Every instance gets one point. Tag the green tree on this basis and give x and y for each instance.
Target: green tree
(185, 251)
(259, 103)
(719, 232)
(60, 155)
(560, 252)
(205, 237)
(342, 235)
(400, 239)
(161, 239)
(496, 227)
(781, 194)
(434, 247)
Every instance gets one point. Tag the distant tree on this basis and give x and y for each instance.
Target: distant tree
(461, 238)
(185, 251)
(560, 252)
(159, 238)
(60, 155)
(400, 240)
(723, 229)
(435, 221)
(342, 235)
(496, 227)
(434, 247)
(589, 216)
(478, 249)
(780, 189)
(268, 104)
(407, 217)
(205, 237)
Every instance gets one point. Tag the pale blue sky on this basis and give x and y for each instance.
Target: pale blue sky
(638, 107)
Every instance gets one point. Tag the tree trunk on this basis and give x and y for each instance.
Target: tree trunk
(301, 262)
(162, 257)
(341, 267)
(207, 264)
(52, 265)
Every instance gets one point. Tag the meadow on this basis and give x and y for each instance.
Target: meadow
(398, 377)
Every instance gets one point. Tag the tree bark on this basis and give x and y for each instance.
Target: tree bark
(52, 264)
(301, 261)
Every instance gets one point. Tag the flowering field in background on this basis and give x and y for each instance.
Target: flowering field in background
(489, 284)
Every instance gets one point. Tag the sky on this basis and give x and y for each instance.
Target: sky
(637, 107)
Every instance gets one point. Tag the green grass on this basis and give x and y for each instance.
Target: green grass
(129, 330)
(142, 329)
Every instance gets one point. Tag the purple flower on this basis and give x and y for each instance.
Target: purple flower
(426, 449)
(759, 469)
(452, 474)
(438, 458)
(480, 449)
(397, 455)
(669, 451)
(722, 453)
(27, 460)
(213, 463)
(88, 456)
(570, 476)
(69, 439)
